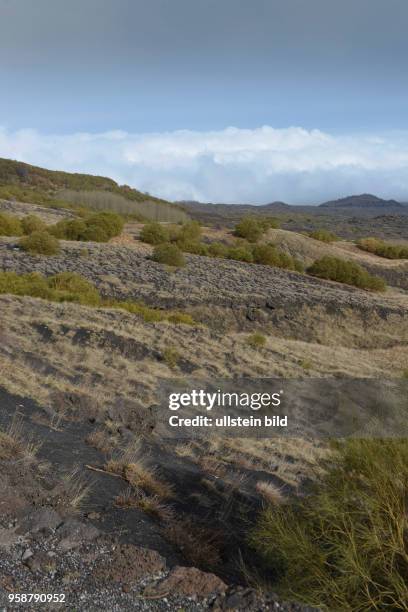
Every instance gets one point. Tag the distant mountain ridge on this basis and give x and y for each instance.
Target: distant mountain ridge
(365, 200)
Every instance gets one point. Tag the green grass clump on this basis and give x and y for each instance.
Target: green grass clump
(154, 233)
(323, 235)
(256, 340)
(348, 272)
(169, 254)
(32, 223)
(10, 225)
(383, 249)
(344, 546)
(40, 243)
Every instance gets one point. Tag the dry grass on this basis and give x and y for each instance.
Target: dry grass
(140, 477)
(100, 440)
(150, 504)
(76, 488)
(270, 493)
(14, 444)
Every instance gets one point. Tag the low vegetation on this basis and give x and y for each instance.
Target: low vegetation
(172, 241)
(324, 235)
(344, 546)
(10, 225)
(383, 249)
(169, 254)
(72, 287)
(99, 227)
(251, 228)
(40, 243)
(256, 340)
(348, 272)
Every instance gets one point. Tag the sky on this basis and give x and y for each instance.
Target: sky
(214, 100)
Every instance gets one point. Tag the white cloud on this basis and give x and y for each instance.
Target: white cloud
(231, 165)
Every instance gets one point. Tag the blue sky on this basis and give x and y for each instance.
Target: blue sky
(327, 78)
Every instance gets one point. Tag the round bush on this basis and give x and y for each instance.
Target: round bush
(217, 249)
(168, 254)
(190, 231)
(40, 243)
(154, 233)
(10, 226)
(31, 224)
(249, 228)
(109, 222)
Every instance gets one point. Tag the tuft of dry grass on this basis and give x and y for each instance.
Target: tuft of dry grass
(270, 493)
(140, 477)
(150, 504)
(14, 444)
(100, 440)
(76, 488)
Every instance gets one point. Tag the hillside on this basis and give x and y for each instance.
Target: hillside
(365, 200)
(26, 183)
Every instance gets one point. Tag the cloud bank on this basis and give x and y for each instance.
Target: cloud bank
(231, 165)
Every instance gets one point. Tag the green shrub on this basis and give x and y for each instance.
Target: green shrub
(344, 546)
(217, 249)
(249, 228)
(32, 223)
(99, 227)
(192, 246)
(154, 233)
(69, 229)
(168, 254)
(256, 340)
(323, 235)
(109, 223)
(382, 249)
(268, 223)
(240, 253)
(348, 272)
(94, 233)
(270, 255)
(190, 231)
(9, 225)
(40, 243)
